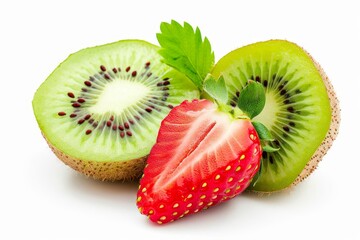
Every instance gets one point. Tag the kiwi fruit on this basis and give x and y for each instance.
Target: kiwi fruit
(301, 110)
(100, 109)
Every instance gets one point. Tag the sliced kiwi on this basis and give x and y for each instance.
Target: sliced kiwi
(100, 110)
(301, 109)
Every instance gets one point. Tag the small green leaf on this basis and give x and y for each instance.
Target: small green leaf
(252, 99)
(184, 49)
(262, 131)
(268, 148)
(216, 88)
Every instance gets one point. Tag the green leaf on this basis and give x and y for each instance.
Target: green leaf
(216, 88)
(262, 131)
(184, 49)
(252, 99)
(268, 148)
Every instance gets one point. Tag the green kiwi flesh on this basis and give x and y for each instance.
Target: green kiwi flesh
(100, 109)
(299, 110)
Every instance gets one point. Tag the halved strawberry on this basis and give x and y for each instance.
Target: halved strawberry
(202, 157)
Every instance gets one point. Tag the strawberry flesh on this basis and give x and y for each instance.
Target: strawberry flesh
(201, 157)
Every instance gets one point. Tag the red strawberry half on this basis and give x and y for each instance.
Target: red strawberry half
(202, 157)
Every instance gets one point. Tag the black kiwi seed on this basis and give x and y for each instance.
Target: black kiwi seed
(103, 68)
(265, 83)
(76, 105)
(286, 128)
(108, 123)
(291, 109)
(107, 76)
(71, 95)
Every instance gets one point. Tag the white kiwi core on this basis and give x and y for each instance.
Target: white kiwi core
(119, 95)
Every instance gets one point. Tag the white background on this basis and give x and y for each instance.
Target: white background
(41, 198)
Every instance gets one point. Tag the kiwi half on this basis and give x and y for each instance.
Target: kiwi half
(100, 110)
(301, 109)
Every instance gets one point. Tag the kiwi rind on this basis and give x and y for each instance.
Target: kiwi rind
(109, 168)
(104, 171)
(332, 132)
(330, 136)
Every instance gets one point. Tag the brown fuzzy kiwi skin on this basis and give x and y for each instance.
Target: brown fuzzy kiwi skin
(105, 171)
(332, 132)
(328, 140)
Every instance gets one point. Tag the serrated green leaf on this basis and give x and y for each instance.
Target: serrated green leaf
(252, 99)
(183, 48)
(216, 88)
(262, 131)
